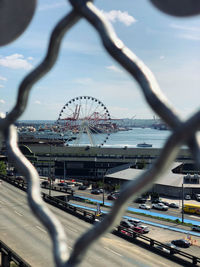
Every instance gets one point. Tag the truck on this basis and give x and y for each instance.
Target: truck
(191, 208)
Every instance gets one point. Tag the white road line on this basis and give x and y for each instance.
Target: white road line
(194, 216)
(41, 229)
(18, 213)
(71, 229)
(113, 251)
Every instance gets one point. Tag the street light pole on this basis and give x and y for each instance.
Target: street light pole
(64, 171)
(103, 189)
(50, 171)
(182, 203)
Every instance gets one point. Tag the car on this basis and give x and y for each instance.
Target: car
(62, 184)
(44, 183)
(10, 173)
(137, 223)
(196, 228)
(187, 197)
(19, 179)
(160, 206)
(139, 228)
(95, 191)
(101, 190)
(134, 221)
(112, 197)
(126, 224)
(181, 243)
(82, 187)
(164, 202)
(144, 206)
(155, 201)
(140, 200)
(174, 205)
(197, 196)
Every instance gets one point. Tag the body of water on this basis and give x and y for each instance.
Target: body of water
(121, 138)
(138, 135)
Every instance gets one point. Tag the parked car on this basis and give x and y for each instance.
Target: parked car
(112, 197)
(164, 202)
(196, 228)
(174, 205)
(155, 201)
(44, 183)
(101, 190)
(19, 179)
(187, 197)
(95, 191)
(140, 200)
(144, 206)
(197, 196)
(181, 243)
(82, 187)
(62, 184)
(160, 206)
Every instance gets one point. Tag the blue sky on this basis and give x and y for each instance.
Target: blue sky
(169, 46)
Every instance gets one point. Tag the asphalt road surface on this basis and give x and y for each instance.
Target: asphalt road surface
(22, 232)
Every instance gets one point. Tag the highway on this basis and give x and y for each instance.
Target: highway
(22, 232)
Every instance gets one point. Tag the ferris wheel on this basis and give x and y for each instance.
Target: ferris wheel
(86, 121)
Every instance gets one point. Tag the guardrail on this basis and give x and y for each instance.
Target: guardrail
(79, 212)
(131, 235)
(8, 256)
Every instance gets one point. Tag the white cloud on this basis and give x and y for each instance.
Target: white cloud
(30, 58)
(162, 57)
(51, 6)
(185, 32)
(1, 86)
(117, 15)
(114, 68)
(83, 81)
(15, 61)
(3, 78)
(2, 101)
(37, 102)
(185, 28)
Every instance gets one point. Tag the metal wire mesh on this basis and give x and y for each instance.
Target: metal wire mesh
(182, 132)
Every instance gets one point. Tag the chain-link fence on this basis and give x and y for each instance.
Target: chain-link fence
(182, 132)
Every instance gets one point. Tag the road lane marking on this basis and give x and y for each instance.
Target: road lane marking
(71, 229)
(18, 213)
(116, 253)
(41, 229)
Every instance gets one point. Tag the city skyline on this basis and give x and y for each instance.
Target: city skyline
(167, 45)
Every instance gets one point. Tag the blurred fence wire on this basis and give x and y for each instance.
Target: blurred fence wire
(182, 132)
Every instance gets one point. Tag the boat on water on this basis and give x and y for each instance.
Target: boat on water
(144, 145)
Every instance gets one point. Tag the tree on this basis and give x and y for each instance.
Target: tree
(2, 168)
